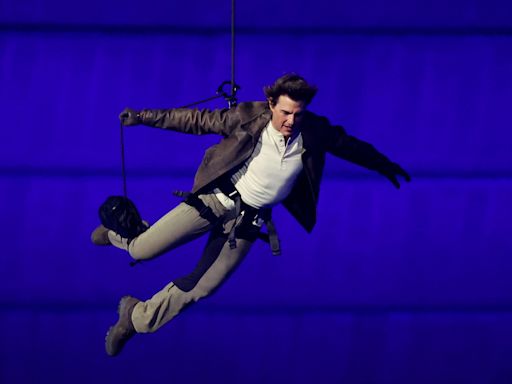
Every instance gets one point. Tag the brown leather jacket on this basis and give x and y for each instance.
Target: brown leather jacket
(241, 127)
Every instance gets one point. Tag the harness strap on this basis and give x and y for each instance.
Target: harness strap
(204, 211)
(243, 212)
(239, 214)
(227, 187)
(273, 238)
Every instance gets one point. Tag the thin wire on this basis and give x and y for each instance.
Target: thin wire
(201, 101)
(232, 99)
(123, 162)
(233, 90)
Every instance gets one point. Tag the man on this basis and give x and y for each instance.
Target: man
(271, 152)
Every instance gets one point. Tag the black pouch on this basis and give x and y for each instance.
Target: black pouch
(119, 214)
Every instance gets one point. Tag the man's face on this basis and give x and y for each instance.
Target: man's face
(287, 115)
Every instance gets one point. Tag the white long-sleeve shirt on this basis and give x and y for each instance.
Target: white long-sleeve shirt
(267, 177)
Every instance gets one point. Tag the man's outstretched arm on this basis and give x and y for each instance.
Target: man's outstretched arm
(192, 121)
(364, 154)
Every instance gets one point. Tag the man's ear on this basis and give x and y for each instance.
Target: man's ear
(271, 103)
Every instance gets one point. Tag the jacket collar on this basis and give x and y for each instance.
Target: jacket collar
(255, 116)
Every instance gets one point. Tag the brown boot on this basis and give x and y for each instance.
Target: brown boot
(100, 236)
(123, 330)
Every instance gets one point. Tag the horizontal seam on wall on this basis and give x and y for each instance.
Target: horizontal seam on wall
(371, 31)
(144, 173)
(275, 310)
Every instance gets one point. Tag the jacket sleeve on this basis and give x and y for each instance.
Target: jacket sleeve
(356, 151)
(192, 121)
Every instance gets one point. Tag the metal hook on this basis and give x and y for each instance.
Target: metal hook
(230, 98)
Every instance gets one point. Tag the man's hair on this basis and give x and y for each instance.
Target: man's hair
(292, 85)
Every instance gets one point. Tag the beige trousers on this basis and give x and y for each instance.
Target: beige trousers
(179, 226)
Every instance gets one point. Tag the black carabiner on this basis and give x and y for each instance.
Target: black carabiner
(230, 98)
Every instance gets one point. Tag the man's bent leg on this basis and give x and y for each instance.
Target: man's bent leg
(179, 226)
(150, 315)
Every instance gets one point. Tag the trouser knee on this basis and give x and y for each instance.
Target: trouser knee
(139, 253)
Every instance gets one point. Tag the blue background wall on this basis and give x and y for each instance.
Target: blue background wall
(409, 286)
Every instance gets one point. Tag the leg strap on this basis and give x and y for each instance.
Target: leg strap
(204, 211)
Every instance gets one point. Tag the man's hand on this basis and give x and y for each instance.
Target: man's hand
(129, 117)
(392, 170)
